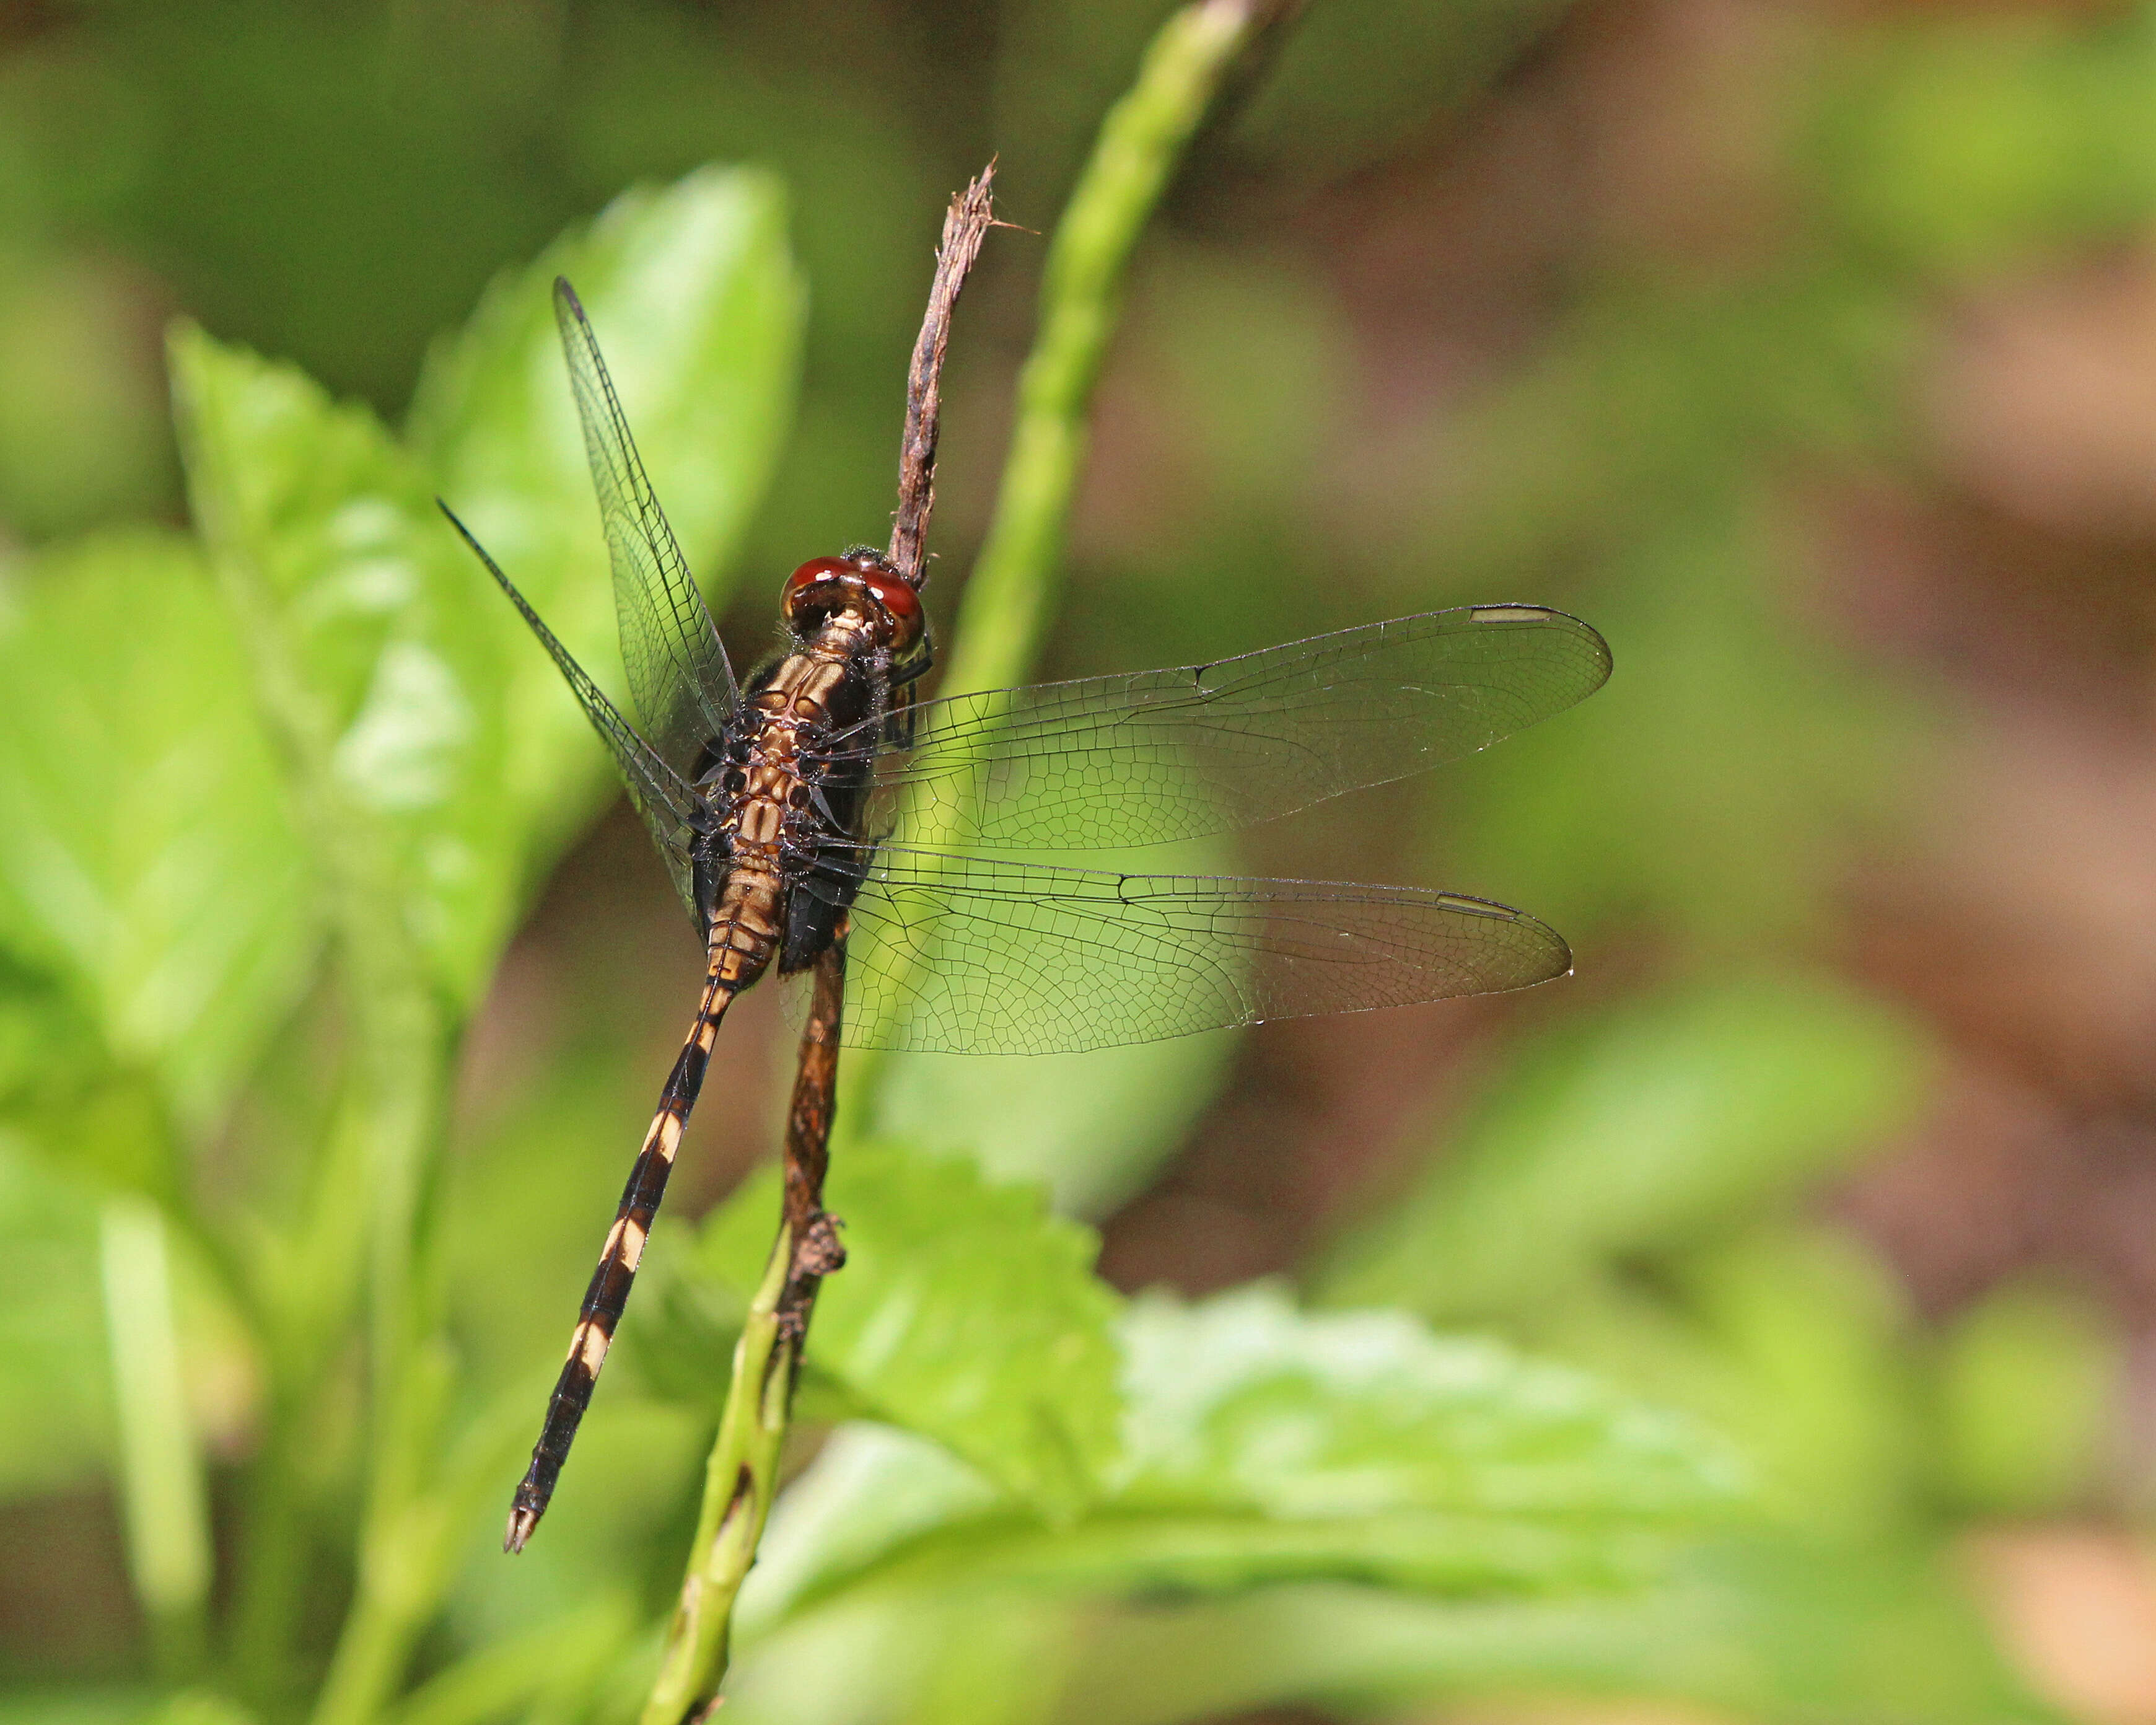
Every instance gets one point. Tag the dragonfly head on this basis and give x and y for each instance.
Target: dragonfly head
(862, 582)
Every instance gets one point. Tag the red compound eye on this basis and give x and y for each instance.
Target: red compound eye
(812, 574)
(902, 601)
(824, 585)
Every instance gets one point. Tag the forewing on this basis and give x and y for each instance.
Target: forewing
(678, 674)
(960, 955)
(668, 807)
(1154, 756)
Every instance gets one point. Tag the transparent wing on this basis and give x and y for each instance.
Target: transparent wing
(671, 810)
(1153, 756)
(678, 674)
(960, 955)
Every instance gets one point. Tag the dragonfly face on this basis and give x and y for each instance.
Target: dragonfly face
(862, 584)
(821, 799)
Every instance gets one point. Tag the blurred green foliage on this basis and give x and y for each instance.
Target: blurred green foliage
(222, 751)
(2027, 1379)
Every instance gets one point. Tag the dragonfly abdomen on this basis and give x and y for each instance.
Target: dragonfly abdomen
(606, 1297)
(745, 928)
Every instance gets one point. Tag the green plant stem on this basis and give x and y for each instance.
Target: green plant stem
(265, 1612)
(739, 1485)
(168, 1544)
(1012, 588)
(742, 1476)
(1014, 582)
(401, 1073)
(304, 1310)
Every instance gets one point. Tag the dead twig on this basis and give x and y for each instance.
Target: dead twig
(965, 225)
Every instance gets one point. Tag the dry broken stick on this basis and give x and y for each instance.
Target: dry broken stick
(965, 225)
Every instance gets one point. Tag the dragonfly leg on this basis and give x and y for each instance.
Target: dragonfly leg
(899, 723)
(608, 1293)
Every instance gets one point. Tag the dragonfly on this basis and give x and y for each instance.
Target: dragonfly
(817, 801)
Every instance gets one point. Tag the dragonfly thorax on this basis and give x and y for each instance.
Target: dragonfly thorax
(779, 805)
(834, 674)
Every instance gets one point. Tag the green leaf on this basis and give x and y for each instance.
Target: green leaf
(439, 720)
(1262, 1444)
(1243, 1402)
(1652, 1128)
(871, 1490)
(1792, 1343)
(951, 1658)
(1756, 1628)
(965, 1313)
(696, 302)
(1761, 1629)
(148, 852)
(374, 647)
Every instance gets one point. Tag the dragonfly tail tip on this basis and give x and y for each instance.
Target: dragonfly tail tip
(522, 1519)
